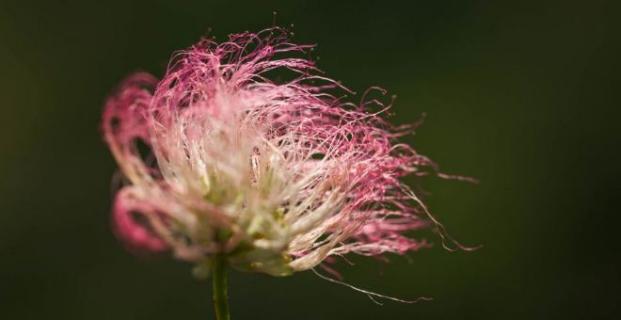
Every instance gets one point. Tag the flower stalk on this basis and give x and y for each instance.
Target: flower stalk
(220, 288)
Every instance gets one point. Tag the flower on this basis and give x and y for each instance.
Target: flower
(275, 175)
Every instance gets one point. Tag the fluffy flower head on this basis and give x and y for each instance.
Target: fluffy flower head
(276, 175)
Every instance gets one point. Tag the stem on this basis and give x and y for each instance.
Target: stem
(220, 294)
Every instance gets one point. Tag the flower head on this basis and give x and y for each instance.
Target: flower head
(276, 175)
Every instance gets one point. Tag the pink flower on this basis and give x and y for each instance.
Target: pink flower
(277, 175)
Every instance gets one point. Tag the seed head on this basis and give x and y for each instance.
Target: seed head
(253, 154)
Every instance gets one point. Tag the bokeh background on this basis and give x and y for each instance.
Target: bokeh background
(520, 95)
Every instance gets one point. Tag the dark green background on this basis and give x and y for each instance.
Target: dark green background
(519, 95)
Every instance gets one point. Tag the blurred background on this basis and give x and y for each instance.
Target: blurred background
(519, 95)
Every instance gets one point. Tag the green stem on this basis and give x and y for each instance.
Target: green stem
(220, 294)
